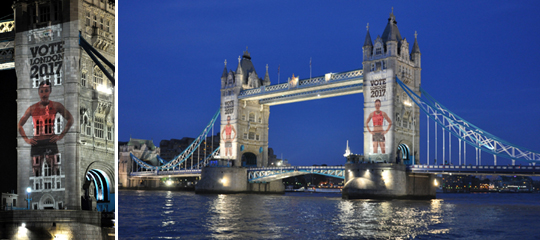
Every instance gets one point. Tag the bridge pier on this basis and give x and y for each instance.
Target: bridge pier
(386, 181)
(233, 180)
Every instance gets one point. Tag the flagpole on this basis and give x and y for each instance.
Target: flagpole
(278, 73)
(309, 68)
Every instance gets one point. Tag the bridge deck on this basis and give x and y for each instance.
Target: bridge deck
(476, 170)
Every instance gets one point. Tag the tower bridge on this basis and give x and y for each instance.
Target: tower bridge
(389, 167)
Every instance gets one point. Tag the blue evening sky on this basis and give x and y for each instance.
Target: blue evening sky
(479, 58)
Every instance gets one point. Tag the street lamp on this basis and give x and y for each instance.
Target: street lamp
(28, 199)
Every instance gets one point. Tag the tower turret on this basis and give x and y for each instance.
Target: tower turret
(224, 75)
(415, 53)
(368, 45)
(391, 36)
(266, 80)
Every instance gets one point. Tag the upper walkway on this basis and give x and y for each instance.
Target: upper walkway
(329, 85)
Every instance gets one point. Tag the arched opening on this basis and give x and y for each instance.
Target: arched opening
(403, 154)
(249, 160)
(97, 188)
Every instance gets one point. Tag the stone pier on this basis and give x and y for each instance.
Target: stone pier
(386, 181)
(233, 180)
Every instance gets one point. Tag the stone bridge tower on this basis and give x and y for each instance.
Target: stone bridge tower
(391, 119)
(65, 104)
(244, 124)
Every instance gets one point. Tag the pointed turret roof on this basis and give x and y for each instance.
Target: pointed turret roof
(367, 42)
(391, 32)
(415, 48)
(267, 76)
(224, 75)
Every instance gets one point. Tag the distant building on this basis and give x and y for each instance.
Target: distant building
(9, 200)
(174, 147)
(144, 150)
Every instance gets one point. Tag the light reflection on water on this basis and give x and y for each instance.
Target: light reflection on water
(185, 215)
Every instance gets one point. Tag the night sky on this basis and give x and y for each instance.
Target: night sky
(479, 59)
(8, 98)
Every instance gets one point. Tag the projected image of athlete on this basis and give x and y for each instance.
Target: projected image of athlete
(378, 133)
(43, 115)
(226, 136)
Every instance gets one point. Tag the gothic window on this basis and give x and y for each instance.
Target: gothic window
(245, 135)
(95, 21)
(57, 7)
(58, 185)
(58, 124)
(109, 133)
(378, 50)
(260, 120)
(98, 127)
(101, 23)
(49, 124)
(88, 19)
(46, 169)
(251, 136)
(58, 158)
(48, 201)
(83, 78)
(37, 186)
(98, 77)
(257, 137)
(88, 126)
(44, 13)
(252, 117)
(107, 26)
(373, 67)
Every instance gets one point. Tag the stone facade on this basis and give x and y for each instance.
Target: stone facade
(142, 149)
(244, 124)
(47, 51)
(384, 60)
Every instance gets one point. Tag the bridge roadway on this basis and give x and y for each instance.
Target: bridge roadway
(269, 174)
(329, 85)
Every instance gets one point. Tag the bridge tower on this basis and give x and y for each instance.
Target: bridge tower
(391, 119)
(244, 124)
(65, 104)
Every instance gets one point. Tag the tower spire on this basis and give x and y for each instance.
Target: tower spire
(367, 41)
(415, 48)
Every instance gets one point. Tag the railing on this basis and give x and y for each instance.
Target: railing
(329, 78)
(7, 26)
(273, 173)
(468, 169)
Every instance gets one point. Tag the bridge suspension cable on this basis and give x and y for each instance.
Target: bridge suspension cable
(182, 157)
(466, 131)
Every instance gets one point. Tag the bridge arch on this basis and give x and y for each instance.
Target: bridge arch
(99, 179)
(404, 153)
(249, 159)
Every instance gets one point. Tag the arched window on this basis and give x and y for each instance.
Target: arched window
(98, 127)
(252, 117)
(83, 78)
(98, 77)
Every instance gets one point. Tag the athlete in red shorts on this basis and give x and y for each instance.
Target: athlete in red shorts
(378, 133)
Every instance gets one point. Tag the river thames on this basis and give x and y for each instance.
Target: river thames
(186, 215)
